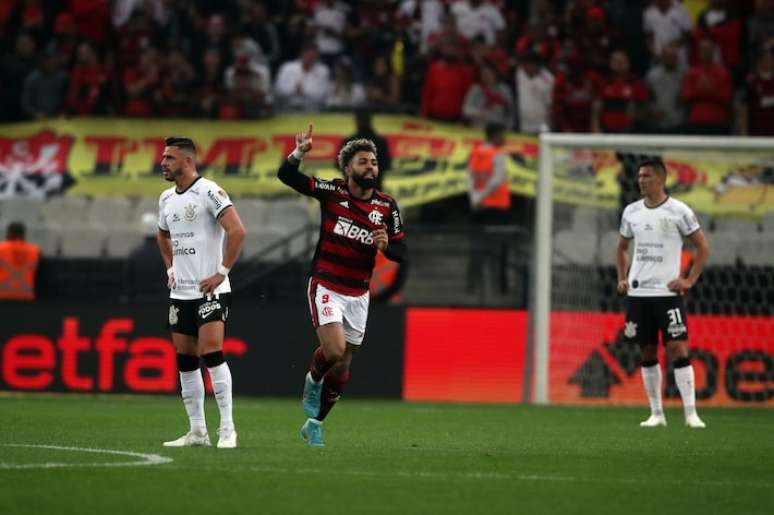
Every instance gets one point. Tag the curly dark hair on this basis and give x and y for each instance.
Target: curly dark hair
(349, 150)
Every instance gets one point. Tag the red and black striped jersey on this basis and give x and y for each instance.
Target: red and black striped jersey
(345, 253)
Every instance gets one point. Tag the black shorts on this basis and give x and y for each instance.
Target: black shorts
(187, 316)
(647, 316)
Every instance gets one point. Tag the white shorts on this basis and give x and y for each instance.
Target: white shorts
(329, 307)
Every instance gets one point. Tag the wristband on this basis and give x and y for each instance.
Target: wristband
(223, 270)
(169, 271)
(297, 154)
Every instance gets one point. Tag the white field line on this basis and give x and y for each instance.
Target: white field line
(145, 459)
(485, 476)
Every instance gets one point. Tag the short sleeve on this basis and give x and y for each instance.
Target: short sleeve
(216, 200)
(688, 223)
(395, 223)
(626, 226)
(162, 223)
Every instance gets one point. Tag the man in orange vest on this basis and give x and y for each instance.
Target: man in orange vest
(18, 265)
(490, 204)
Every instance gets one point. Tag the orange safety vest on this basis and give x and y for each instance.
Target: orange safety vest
(482, 167)
(18, 264)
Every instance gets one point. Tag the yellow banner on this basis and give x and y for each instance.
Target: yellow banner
(120, 156)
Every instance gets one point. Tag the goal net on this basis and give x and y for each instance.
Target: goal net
(580, 355)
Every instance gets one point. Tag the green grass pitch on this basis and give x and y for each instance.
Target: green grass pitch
(382, 457)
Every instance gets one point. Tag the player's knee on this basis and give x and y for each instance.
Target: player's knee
(187, 363)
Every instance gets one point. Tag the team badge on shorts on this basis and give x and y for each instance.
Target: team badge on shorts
(630, 329)
(173, 311)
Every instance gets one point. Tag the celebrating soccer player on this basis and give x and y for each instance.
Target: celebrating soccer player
(194, 217)
(658, 224)
(357, 219)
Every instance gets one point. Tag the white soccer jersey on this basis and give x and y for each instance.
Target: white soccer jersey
(197, 237)
(658, 234)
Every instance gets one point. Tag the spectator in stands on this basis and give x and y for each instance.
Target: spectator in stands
(488, 101)
(478, 18)
(534, 91)
(329, 21)
(597, 39)
(667, 23)
(132, 39)
(15, 67)
(256, 23)
(619, 99)
(707, 90)
(482, 54)
(209, 88)
(421, 19)
(383, 87)
(573, 97)
(536, 40)
(447, 34)
(365, 129)
(760, 26)
(64, 41)
(666, 113)
(18, 265)
(44, 89)
(215, 36)
(446, 84)
(302, 84)
(248, 85)
(92, 19)
(175, 83)
(718, 23)
(345, 93)
(756, 117)
(88, 80)
(140, 85)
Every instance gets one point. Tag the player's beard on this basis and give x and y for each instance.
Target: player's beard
(364, 182)
(170, 175)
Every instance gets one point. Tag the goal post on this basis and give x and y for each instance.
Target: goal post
(583, 184)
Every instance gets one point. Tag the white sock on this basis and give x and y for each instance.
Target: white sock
(651, 378)
(685, 383)
(221, 385)
(315, 421)
(192, 390)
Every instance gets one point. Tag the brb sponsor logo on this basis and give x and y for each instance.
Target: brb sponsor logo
(114, 359)
(345, 227)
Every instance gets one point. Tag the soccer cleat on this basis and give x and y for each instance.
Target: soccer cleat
(312, 434)
(311, 399)
(190, 439)
(654, 421)
(227, 438)
(694, 421)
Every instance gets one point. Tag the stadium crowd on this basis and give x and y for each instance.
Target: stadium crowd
(572, 65)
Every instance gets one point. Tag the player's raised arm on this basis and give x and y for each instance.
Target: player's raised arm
(289, 173)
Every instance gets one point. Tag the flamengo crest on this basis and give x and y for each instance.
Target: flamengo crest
(375, 217)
